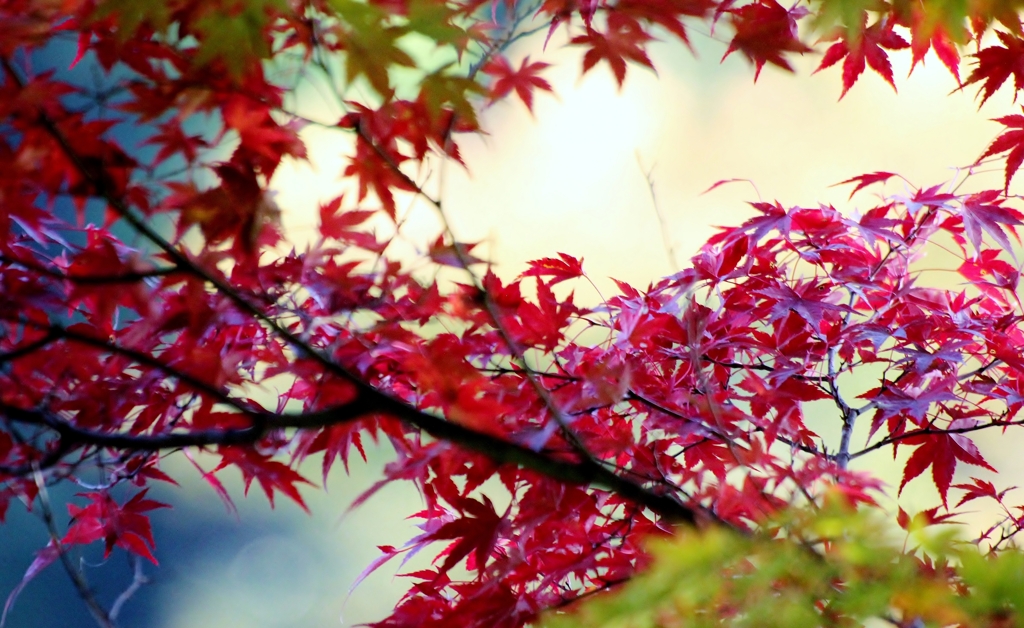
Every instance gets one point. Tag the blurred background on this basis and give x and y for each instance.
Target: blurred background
(614, 176)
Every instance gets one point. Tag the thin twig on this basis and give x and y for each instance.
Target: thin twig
(666, 238)
(139, 579)
(99, 614)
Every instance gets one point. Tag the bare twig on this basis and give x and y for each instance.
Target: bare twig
(99, 614)
(139, 579)
(663, 227)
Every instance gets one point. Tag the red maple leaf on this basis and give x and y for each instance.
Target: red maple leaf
(270, 473)
(523, 81)
(979, 488)
(172, 139)
(338, 223)
(476, 532)
(941, 451)
(997, 63)
(924, 36)
(865, 180)
(809, 299)
(990, 273)
(927, 517)
(929, 197)
(123, 526)
(102, 257)
(568, 267)
(666, 13)
(1010, 142)
(774, 217)
(377, 171)
(866, 49)
(984, 212)
(623, 41)
(765, 31)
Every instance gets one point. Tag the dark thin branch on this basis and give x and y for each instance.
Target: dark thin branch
(27, 348)
(73, 437)
(635, 396)
(57, 332)
(497, 449)
(500, 370)
(849, 415)
(117, 278)
(604, 586)
(47, 461)
(925, 431)
(663, 227)
(978, 371)
(761, 367)
(675, 415)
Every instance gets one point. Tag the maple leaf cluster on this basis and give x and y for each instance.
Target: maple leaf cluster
(146, 293)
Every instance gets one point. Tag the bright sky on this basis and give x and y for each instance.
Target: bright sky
(571, 177)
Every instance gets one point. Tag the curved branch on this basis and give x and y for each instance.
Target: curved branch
(925, 431)
(57, 332)
(497, 449)
(89, 280)
(27, 348)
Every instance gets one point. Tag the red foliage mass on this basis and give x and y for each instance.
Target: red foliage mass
(144, 297)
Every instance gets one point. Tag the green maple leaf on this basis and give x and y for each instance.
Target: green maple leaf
(435, 20)
(132, 14)
(235, 39)
(847, 14)
(370, 44)
(441, 89)
(947, 15)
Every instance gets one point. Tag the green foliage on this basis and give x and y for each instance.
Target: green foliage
(947, 16)
(848, 14)
(828, 567)
(130, 15)
(235, 34)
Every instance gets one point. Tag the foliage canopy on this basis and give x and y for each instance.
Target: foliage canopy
(146, 295)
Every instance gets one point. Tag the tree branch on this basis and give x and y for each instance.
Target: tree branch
(889, 440)
(124, 277)
(368, 399)
(497, 449)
